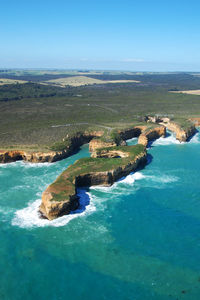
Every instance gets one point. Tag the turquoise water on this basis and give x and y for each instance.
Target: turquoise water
(139, 239)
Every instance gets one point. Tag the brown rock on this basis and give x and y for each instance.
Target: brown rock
(151, 134)
(181, 134)
(53, 207)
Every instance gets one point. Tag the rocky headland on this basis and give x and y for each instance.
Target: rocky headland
(183, 129)
(110, 165)
(72, 145)
(151, 134)
(182, 134)
(110, 160)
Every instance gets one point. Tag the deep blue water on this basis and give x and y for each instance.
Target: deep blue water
(137, 240)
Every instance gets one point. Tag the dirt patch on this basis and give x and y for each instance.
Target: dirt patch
(190, 92)
(4, 81)
(83, 80)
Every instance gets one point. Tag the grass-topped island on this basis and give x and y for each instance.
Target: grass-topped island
(47, 115)
(110, 165)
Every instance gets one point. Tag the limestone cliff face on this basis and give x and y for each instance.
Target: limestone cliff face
(181, 134)
(151, 134)
(54, 209)
(130, 133)
(51, 156)
(11, 156)
(110, 154)
(124, 134)
(109, 177)
(196, 121)
(34, 157)
(51, 208)
(97, 144)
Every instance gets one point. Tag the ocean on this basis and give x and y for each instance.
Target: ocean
(137, 240)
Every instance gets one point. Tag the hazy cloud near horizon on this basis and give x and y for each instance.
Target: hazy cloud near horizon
(136, 65)
(131, 35)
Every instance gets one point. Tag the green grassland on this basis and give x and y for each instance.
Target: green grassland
(64, 184)
(38, 117)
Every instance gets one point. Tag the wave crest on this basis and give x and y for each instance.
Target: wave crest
(29, 217)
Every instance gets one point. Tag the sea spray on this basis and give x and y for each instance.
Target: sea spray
(171, 139)
(29, 216)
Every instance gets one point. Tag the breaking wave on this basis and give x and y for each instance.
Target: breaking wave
(163, 141)
(171, 139)
(29, 217)
(195, 139)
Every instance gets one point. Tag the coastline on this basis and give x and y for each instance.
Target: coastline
(61, 198)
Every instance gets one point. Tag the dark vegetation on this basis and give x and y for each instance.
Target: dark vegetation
(30, 90)
(39, 117)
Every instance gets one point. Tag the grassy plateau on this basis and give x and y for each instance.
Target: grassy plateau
(43, 117)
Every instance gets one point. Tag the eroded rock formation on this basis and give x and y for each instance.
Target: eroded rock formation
(196, 121)
(182, 134)
(184, 129)
(151, 134)
(50, 156)
(124, 134)
(60, 197)
(98, 143)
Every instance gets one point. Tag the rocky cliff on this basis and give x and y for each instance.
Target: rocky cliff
(130, 133)
(182, 134)
(151, 134)
(183, 128)
(34, 157)
(124, 134)
(196, 121)
(50, 156)
(98, 143)
(60, 197)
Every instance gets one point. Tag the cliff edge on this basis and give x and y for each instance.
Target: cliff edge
(111, 164)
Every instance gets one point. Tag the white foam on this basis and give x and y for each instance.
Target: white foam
(35, 165)
(130, 179)
(163, 178)
(195, 139)
(25, 164)
(29, 217)
(163, 141)
(171, 139)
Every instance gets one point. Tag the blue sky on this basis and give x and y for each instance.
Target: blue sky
(126, 35)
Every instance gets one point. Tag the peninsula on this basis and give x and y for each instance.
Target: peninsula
(49, 115)
(109, 162)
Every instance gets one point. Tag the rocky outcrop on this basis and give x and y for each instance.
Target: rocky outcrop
(196, 121)
(98, 143)
(124, 134)
(60, 197)
(106, 153)
(11, 156)
(109, 177)
(183, 129)
(34, 157)
(182, 134)
(151, 134)
(50, 156)
(51, 209)
(130, 133)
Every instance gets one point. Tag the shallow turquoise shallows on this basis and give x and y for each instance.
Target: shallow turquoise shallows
(137, 240)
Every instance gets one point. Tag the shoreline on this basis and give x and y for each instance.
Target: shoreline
(110, 161)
